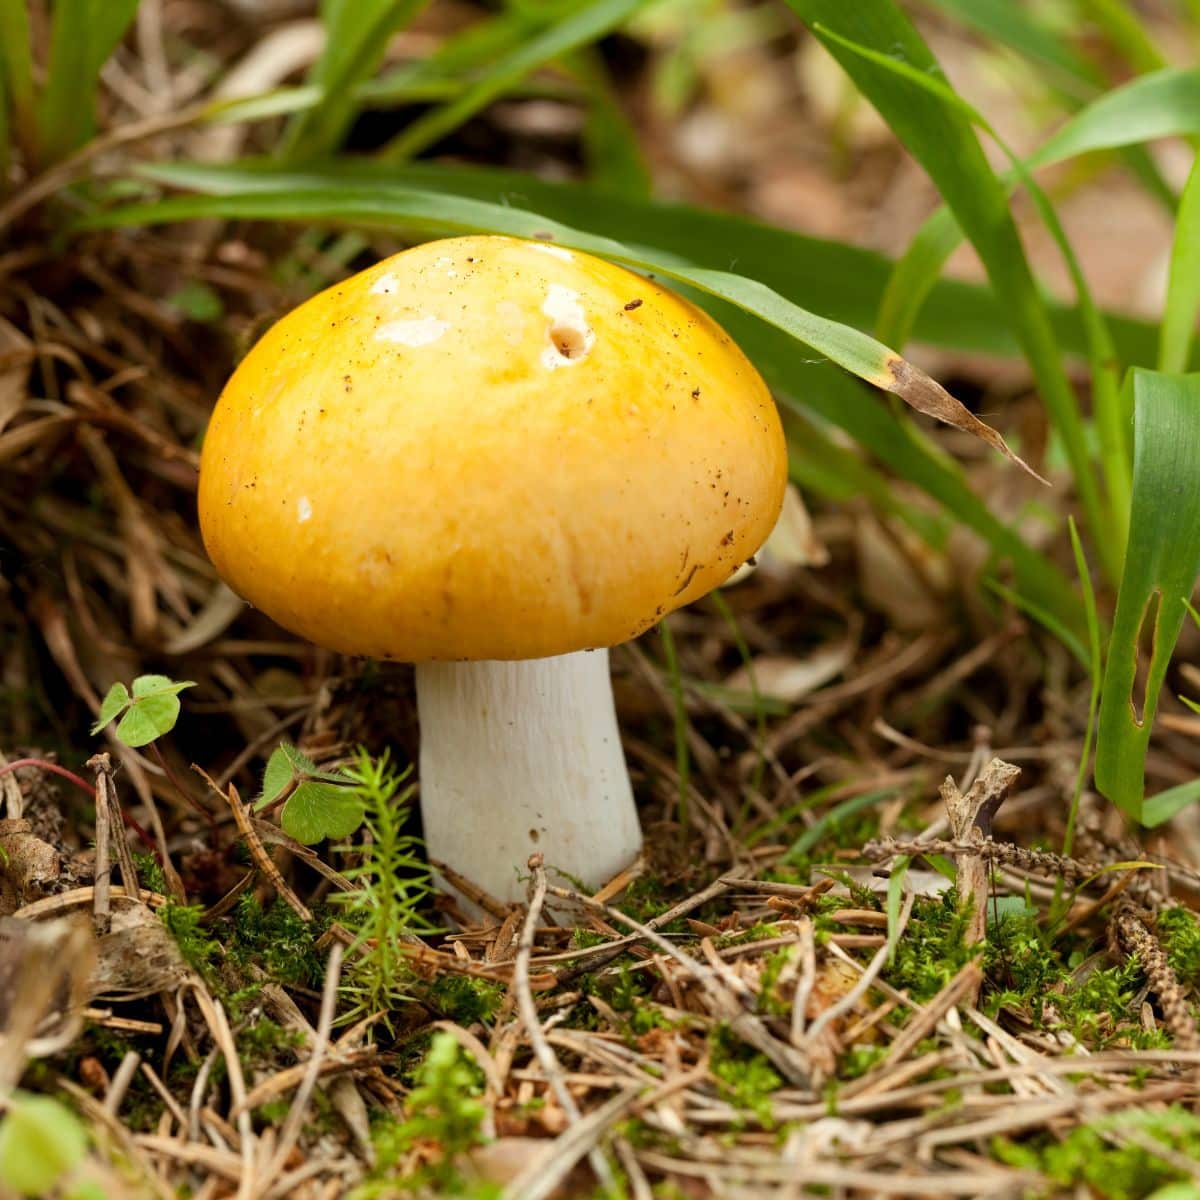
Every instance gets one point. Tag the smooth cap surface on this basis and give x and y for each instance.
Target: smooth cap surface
(485, 448)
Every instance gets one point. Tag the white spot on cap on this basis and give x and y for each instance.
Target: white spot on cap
(420, 332)
(570, 335)
(303, 509)
(447, 264)
(557, 251)
(385, 285)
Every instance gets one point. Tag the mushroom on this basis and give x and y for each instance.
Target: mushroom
(495, 459)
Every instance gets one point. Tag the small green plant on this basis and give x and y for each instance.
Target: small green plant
(316, 804)
(392, 881)
(444, 1118)
(147, 711)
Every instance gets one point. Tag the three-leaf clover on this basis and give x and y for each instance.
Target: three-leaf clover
(151, 710)
(319, 805)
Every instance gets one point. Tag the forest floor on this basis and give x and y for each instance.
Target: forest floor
(854, 960)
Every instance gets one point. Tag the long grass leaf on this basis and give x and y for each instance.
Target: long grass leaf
(83, 34)
(356, 38)
(393, 208)
(1095, 665)
(1161, 808)
(841, 280)
(610, 142)
(1164, 104)
(4, 128)
(786, 364)
(1018, 28)
(1125, 32)
(1101, 354)
(943, 140)
(563, 36)
(1161, 567)
(16, 71)
(1183, 286)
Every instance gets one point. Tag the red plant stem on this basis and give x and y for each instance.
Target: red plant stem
(83, 785)
(54, 768)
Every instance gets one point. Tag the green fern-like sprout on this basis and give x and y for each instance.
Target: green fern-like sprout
(392, 880)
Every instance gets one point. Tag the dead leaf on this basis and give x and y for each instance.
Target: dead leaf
(137, 957)
(783, 677)
(926, 395)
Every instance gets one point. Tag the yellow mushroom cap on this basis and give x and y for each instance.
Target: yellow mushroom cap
(484, 448)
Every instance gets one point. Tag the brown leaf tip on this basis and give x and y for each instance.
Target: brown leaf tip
(924, 394)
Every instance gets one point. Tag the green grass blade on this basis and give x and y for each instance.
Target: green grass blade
(942, 138)
(431, 212)
(610, 142)
(683, 757)
(1161, 567)
(357, 34)
(1018, 28)
(1114, 450)
(83, 34)
(1125, 32)
(1165, 104)
(841, 280)
(1095, 666)
(16, 73)
(1183, 287)
(4, 130)
(828, 822)
(1161, 808)
(569, 33)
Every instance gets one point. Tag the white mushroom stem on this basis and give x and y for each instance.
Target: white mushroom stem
(518, 757)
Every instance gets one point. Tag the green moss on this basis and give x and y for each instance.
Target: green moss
(1179, 933)
(770, 1001)
(463, 999)
(933, 949)
(280, 941)
(267, 1043)
(646, 898)
(199, 949)
(1112, 1168)
(745, 1078)
(1042, 979)
(585, 939)
(150, 875)
(755, 933)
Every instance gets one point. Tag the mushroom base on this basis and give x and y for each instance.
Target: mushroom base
(521, 757)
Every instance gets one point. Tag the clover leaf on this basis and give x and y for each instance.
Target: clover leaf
(150, 711)
(319, 804)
